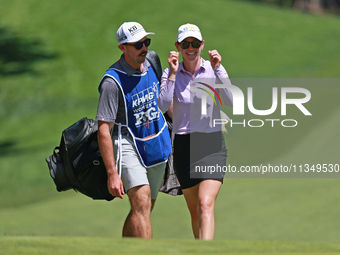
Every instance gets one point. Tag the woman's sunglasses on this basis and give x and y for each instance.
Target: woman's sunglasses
(139, 45)
(195, 44)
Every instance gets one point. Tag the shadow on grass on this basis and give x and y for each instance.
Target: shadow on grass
(17, 54)
(8, 148)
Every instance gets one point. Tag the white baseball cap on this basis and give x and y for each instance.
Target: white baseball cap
(130, 32)
(188, 30)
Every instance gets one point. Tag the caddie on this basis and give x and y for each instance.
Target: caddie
(132, 129)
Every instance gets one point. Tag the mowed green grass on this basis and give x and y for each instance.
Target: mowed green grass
(86, 245)
(266, 216)
(271, 209)
(280, 209)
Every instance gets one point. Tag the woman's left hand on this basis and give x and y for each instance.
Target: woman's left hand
(215, 58)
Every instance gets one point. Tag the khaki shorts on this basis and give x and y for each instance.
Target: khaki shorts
(133, 172)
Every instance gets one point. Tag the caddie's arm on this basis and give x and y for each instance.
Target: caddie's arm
(114, 182)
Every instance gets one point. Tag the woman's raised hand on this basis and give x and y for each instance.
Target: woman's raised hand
(173, 64)
(215, 58)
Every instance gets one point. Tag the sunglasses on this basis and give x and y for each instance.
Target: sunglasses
(139, 45)
(195, 44)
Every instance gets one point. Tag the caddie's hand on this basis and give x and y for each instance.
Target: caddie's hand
(173, 62)
(115, 185)
(215, 58)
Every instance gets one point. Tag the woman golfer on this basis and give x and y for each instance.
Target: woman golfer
(190, 87)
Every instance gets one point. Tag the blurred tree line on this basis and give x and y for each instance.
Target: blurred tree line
(315, 6)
